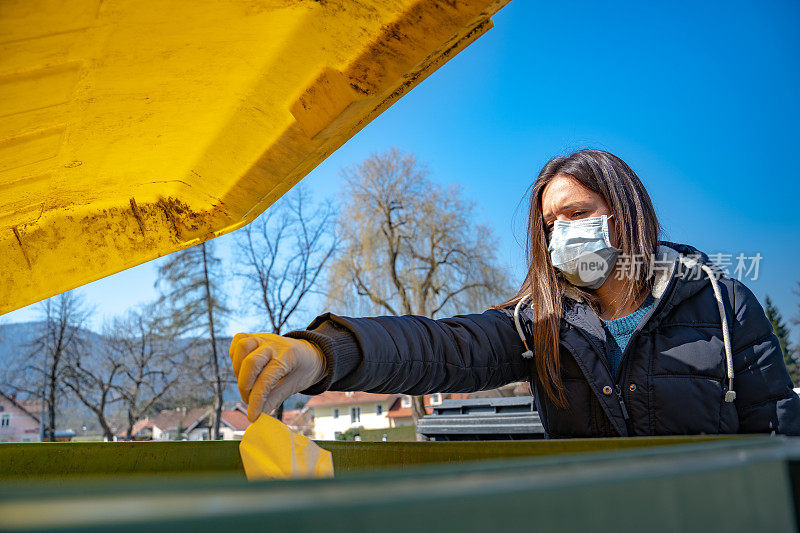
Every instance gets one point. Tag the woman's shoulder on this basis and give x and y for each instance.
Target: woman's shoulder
(744, 304)
(697, 265)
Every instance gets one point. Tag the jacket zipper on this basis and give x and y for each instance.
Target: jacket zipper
(625, 414)
(623, 366)
(621, 402)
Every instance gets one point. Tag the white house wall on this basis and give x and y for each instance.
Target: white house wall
(326, 427)
(229, 434)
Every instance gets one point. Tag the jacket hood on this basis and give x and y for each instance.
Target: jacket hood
(689, 269)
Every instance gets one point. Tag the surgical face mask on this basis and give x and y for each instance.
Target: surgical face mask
(582, 251)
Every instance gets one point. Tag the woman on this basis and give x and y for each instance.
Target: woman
(619, 334)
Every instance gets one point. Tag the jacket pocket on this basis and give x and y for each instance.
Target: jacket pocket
(686, 404)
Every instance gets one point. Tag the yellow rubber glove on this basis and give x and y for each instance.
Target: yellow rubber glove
(270, 368)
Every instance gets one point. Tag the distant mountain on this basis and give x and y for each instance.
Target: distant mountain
(17, 337)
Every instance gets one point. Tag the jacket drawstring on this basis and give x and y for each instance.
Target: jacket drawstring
(730, 395)
(528, 353)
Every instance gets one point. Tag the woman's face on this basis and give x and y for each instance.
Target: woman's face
(565, 198)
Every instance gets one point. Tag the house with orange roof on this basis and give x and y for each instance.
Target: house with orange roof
(336, 412)
(400, 413)
(173, 424)
(141, 430)
(176, 424)
(191, 424)
(233, 422)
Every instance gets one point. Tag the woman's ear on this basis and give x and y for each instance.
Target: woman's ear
(613, 234)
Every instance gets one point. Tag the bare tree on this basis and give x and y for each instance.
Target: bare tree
(93, 376)
(150, 362)
(61, 340)
(411, 246)
(283, 253)
(282, 256)
(194, 302)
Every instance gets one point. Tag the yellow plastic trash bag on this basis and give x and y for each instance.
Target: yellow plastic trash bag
(270, 450)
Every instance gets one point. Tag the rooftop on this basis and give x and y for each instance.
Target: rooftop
(235, 419)
(347, 398)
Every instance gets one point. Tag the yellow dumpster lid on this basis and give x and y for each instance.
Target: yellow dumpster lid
(132, 129)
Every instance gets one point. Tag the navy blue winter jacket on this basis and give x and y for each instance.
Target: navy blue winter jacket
(672, 380)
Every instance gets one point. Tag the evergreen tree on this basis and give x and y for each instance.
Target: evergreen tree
(782, 332)
(193, 301)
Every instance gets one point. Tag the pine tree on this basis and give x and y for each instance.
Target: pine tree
(782, 332)
(796, 321)
(194, 304)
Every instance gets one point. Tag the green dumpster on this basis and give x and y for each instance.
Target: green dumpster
(656, 484)
(219, 128)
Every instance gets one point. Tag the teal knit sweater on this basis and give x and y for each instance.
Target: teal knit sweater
(619, 331)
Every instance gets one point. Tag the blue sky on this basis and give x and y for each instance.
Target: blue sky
(701, 100)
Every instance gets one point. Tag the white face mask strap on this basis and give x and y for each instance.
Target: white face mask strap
(528, 353)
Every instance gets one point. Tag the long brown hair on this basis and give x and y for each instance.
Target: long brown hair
(637, 229)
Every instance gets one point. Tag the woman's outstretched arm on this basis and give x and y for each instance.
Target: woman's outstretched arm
(407, 354)
(417, 355)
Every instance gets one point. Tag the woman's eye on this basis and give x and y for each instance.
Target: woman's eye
(578, 213)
